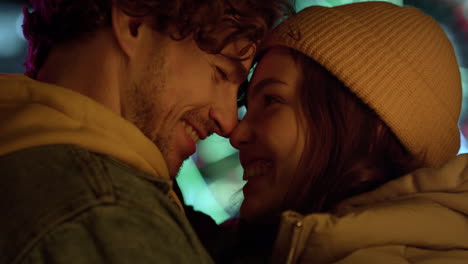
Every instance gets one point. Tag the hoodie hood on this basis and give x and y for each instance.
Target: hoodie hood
(34, 113)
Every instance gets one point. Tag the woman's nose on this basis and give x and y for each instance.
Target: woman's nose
(241, 135)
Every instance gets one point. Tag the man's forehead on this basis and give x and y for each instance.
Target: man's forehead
(239, 55)
(241, 49)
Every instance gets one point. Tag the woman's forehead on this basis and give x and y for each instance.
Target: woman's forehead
(276, 63)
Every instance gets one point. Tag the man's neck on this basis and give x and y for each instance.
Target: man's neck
(91, 67)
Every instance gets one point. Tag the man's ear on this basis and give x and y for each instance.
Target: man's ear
(126, 30)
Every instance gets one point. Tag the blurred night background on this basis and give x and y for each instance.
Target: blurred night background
(211, 180)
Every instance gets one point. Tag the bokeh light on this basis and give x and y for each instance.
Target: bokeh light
(11, 43)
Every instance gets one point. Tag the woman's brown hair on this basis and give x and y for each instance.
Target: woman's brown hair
(349, 149)
(57, 21)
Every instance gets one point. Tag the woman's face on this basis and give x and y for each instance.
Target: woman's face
(270, 138)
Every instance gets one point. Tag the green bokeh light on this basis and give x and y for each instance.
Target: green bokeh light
(198, 194)
(214, 148)
(330, 3)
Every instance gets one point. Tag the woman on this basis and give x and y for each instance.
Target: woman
(345, 107)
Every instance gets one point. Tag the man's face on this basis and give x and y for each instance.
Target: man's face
(181, 94)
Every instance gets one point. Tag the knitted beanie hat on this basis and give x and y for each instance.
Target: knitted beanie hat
(396, 59)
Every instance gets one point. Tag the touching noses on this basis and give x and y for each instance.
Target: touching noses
(241, 134)
(225, 117)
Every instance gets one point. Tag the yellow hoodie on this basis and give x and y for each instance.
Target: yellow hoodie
(34, 113)
(420, 218)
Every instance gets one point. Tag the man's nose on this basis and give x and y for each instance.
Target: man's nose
(224, 116)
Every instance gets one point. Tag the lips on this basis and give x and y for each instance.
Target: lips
(190, 131)
(194, 132)
(256, 167)
(257, 170)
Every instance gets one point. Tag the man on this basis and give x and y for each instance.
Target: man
(117, 95)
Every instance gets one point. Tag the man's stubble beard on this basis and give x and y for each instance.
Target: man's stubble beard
(148, 111)
(145, 108)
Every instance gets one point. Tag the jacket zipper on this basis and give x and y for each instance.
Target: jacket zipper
(294, 240)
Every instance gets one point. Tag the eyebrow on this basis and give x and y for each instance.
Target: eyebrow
(258, 87)
(240, 73)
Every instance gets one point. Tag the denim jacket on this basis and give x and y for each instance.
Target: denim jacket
(65, 204)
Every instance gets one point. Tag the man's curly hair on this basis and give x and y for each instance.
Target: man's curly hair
(59, 21)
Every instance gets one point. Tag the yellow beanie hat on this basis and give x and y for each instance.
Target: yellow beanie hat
(395, 59)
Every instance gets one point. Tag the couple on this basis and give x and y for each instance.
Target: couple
(349, 142)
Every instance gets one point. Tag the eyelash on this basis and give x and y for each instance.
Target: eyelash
(268, 100)
(222, 73)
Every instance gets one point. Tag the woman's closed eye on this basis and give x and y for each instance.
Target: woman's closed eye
(270, 99)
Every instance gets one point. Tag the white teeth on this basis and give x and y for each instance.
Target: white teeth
(256, 170)
(190, 131)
